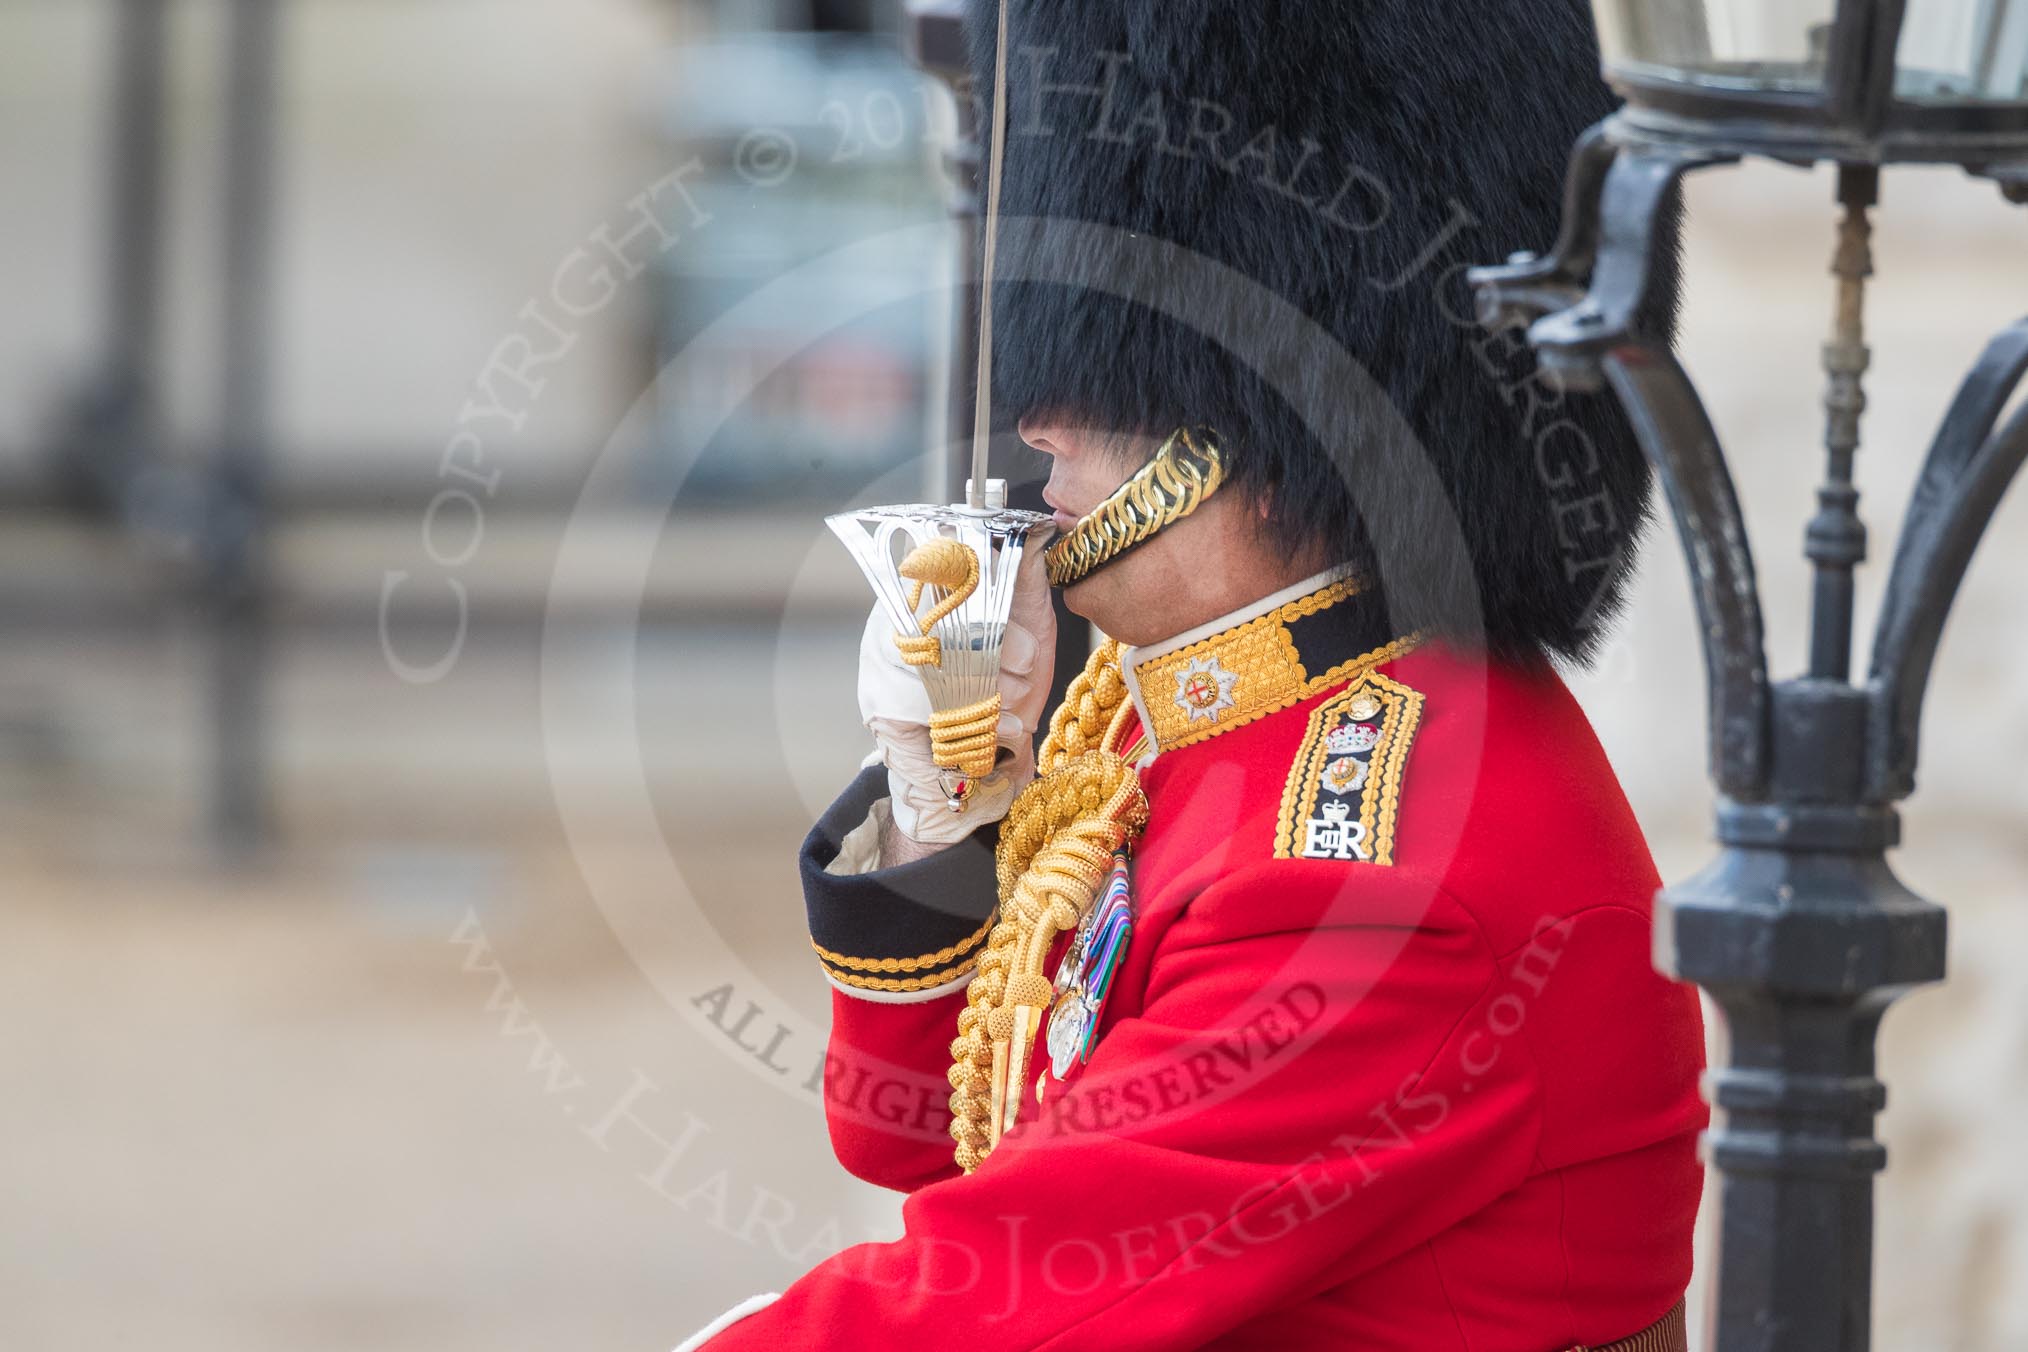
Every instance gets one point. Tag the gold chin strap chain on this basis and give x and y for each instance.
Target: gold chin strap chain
(1186, 470)
(1056, 849)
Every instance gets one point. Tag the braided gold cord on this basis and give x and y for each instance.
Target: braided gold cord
(1056, 849)
(920, 650)
(1186, 469)
(1093, 705)
(946, 563)
(967, 739)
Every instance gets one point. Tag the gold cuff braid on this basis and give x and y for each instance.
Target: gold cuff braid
(1186, 469)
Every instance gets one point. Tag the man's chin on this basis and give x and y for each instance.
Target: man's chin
(1094, 598)
(1106, 599)
(1077, 598)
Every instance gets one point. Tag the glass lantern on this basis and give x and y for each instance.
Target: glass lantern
(1963, 51)
(1857, 81)
(1718, 45)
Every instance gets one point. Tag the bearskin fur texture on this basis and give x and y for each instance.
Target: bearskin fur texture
(1257, 215)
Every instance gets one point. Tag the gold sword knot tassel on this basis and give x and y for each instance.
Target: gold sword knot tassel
(965, 739)
(952, 568)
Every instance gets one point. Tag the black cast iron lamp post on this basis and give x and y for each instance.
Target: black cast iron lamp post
(1798, 930)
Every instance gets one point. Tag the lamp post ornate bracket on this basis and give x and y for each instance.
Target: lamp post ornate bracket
(1798, 929)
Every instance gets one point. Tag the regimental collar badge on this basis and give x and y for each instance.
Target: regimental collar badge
(1343, 794)
(1204, 689)
(1259, 660)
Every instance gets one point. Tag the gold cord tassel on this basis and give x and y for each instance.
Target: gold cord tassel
(952, 568)
(966, 739)
(1056, 848)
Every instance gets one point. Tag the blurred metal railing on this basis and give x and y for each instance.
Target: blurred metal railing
(110, 452)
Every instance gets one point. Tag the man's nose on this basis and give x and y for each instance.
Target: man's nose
(1042, 435)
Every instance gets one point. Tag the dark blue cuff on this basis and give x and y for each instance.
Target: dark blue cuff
(899, 929)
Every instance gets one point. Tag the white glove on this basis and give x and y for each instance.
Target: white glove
(896, 709)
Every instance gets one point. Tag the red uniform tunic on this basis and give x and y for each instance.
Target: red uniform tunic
(1386, 1064)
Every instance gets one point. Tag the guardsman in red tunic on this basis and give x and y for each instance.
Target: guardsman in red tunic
(1296, 994)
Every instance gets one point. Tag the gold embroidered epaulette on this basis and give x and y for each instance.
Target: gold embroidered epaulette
(1344, 790)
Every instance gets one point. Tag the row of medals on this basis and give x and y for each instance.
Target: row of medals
(1085, 975)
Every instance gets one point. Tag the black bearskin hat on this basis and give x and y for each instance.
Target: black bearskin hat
(1257, 215)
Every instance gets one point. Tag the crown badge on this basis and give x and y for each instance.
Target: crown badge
(1348, 738)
